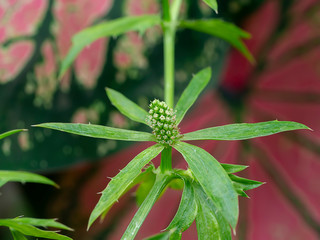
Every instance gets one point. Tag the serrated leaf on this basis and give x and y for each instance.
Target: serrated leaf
(30, 230)
(191, 93)
(212, 3)
(111, 28)
(233, 168)
(98, 131)
(187, 210)
(242, 131)
(221, 29)
(42, 223)
(207, 208)
(126, 106)
(141, 214)
(6, 134)
(23, 177)
(213, 179)
(17, 235)
(119, 183)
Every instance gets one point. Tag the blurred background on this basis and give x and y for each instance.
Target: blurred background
(284, 84)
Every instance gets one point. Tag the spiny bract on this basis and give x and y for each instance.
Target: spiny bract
(162, 120)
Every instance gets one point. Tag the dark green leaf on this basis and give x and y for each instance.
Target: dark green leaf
(208, 212)
(30, 230)
(23, 177)
(214, 180)
(17, 235)
(187, 210)
(118, 185)
(213, 4)
(126, 106)
(6, 134)
(141, 214)
(221, 29)
(191, 93)
(242, 131)
(97, 131)
(232, 168)
(110, 28)
(42, 223)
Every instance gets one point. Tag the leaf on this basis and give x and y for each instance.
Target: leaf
(221, 29)
(232, 168)
(141, 214)
(242, 131)
(17, 235)
(30, 230)
(191, 93)
(213, 179)
(243, 184)
(23, 177)
(206, 206)
(6, 134)
(213, 4)
(42, 223)
(187, 210)
(97, 131)
(126, 106)
(160, 236)
(145, 187)
(109, 28)
(125, 177)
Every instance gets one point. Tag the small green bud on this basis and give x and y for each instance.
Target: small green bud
(162, 120)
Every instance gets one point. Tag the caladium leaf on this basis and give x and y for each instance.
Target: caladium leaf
(221, 29)
(42, 223)
(213, 179)
(242, 131)
(126, 106)
(207, 212)
(109, 28)
(233, 168)
(23, 177)
(191, 93)
(29, 230)
(118, 185)
(213, 4)
(141, 214)
(97, 131)
(6, 134)
(187, 210)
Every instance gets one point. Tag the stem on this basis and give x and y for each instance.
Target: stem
(166, 159)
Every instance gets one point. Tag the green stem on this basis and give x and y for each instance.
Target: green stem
(166, 159)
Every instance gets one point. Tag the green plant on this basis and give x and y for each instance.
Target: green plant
(21, 226)
(210, 189)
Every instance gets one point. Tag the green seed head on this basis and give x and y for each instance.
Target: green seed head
(162, 120)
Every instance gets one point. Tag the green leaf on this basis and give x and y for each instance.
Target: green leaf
(208, 212)
(243, 184)
(42, 223)
(214, 180)
(17, 235)
(213, 4)
(232, 168)
(23, 177)
(242, 131)
(111, 28)
(119, 183)
(145, 187)
(141, 214)
(160, 236)
(187, 210)
(97, 131)
(191, 93)
(126, 106)
(30, 230)
(6, 134)
(221, 29)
